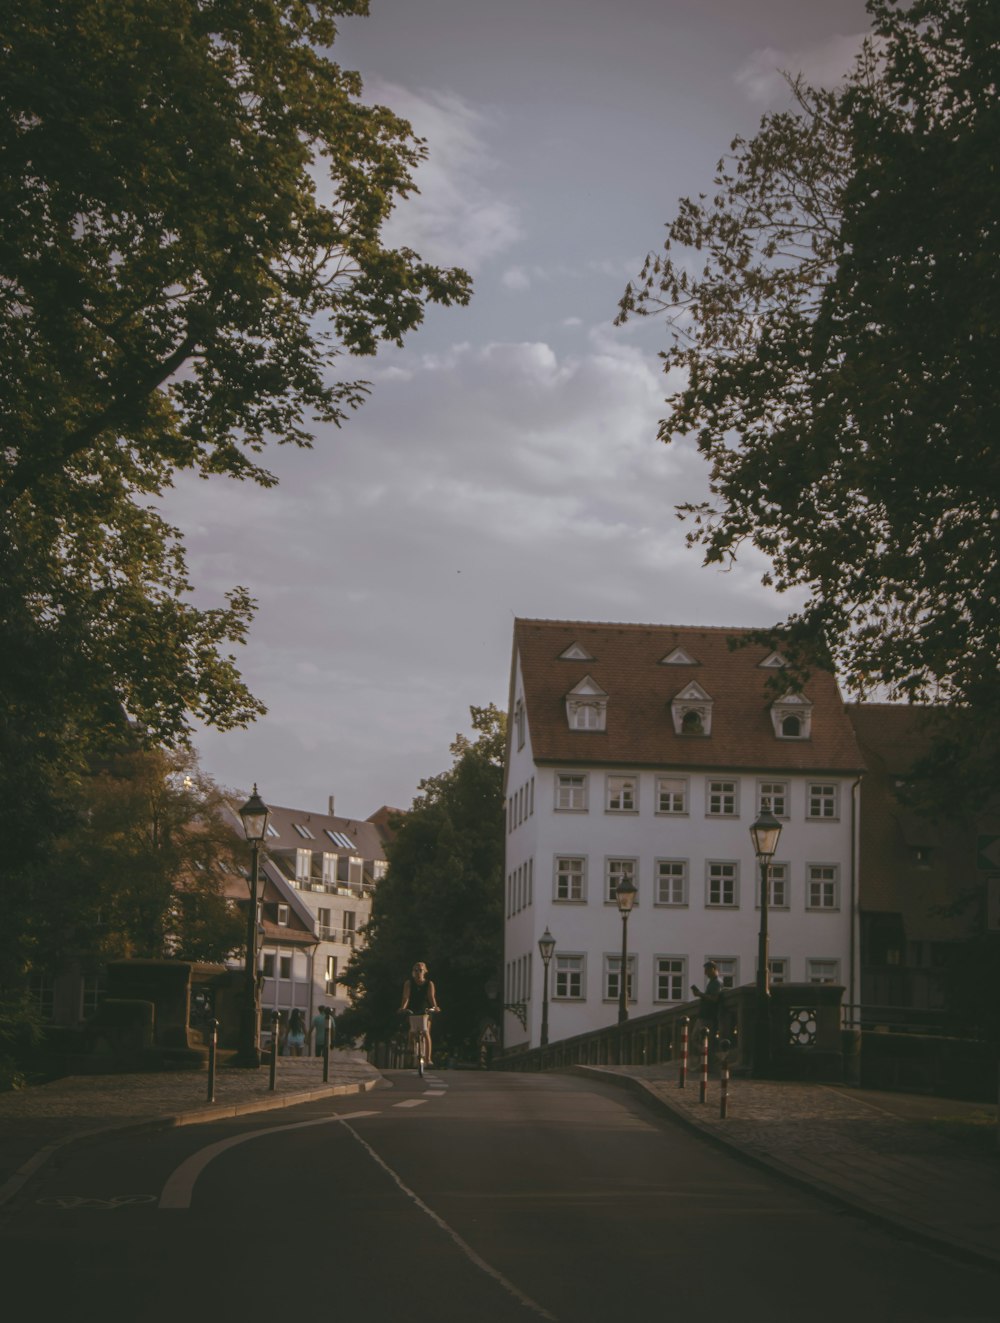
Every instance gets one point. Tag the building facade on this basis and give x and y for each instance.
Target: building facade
(646, 752)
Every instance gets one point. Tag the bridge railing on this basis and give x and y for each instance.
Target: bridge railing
(807, 1040)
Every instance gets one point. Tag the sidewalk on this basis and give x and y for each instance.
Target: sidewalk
(35, 1122)
(888, 1156)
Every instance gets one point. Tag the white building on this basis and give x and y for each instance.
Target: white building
(647, 751)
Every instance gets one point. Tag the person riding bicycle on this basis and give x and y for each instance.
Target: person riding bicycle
(419, 999)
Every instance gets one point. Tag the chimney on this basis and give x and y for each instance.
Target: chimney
(330, 809)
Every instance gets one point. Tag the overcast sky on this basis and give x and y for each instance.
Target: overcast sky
(507, 462)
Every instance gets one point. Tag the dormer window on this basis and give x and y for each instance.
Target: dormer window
(791, 717)
(691, 710)
(679, 657)
(587, 706)
(575, 652)
(773, 661)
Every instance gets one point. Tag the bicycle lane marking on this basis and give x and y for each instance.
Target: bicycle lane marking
(475, 1259)
(179, 1188)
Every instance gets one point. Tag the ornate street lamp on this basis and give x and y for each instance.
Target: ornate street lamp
(254, 814)
(764, 833)
(546, 945)
(625, 896)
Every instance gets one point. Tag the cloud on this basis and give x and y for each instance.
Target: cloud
(459, 217)
(825, 64)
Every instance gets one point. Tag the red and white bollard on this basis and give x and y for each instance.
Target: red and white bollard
(703, 1082)
(682, 1078)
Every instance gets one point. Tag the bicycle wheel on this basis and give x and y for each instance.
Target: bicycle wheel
(420, 1063)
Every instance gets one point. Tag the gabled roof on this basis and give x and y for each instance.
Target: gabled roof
(325, 832)
(626, 663)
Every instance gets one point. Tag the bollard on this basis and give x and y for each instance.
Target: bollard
(275, 1035)
(724, 1080)
(682, 1078)
(213, 1038)
(703, 1082)
(326, 1046)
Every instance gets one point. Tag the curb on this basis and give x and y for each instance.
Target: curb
(194, 1116)
(831, 1193)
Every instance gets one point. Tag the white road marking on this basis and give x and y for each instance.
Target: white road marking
(466, 1249)
(180, 1185)
(436, 1093)
(411, 1102)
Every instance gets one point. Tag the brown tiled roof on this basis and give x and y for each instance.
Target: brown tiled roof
(640, 731)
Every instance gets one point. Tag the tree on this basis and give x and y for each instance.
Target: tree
(142, 873)
(191, 214)
(441, 900)
(837, 344)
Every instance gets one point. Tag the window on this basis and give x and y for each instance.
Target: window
(379, 869)
(303, 865)
(822, 971)
(519, 723)
(272, 830)
(623, 794)
(617, 871)
(671, 882)
(613, 975)
(91, 994)
(569, 978)
(285, 966)
(586, 705)
(587, 716)
(777, 887)
(670, 978)
(283, 916)
(304, 832)
(571, 792)
(323, 920)
(778, 969)
(791, 717)
(570, 877)
(671, 794)
(722, 799)
(791, 727)
(822, 801)
(691, 711)
(267, 964)
(350, 921)
(722, 880)
(773, 795)
(729, 969)
(331, 976)
(42, 994)
(821, 887)
(340, 839)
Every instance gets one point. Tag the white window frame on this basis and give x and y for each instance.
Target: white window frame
(284, 916)
(558, 871)
(570, 968)
(611, 870)
(722, 797)
(820, 796)
(771, 791)
(612, 977)
(817, 965)
(622, 795)
(571, 792)
(827, 899)
(676, 975)
(711, 876)
(772, 883)
(677, 799)
(778, 968)
(675, 873)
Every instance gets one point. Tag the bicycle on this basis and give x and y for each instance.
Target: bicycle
(419, 1026)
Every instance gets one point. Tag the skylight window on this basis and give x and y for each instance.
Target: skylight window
(304, 832)
(340, 839)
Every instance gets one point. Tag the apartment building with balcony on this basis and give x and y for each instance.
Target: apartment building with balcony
(646, 752)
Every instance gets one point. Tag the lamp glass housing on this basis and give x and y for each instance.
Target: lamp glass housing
(765, 833)
(625, 895)
(546, 945)
(254, 814)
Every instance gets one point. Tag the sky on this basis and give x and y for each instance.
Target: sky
(506, 463)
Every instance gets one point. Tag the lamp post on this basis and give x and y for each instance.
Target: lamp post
(254, 815)
(625, 896)
(546, 945)
(764, 833)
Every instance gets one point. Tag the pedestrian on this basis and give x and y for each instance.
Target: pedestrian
(295, 1038)
(320, 1020)
(708, 1003)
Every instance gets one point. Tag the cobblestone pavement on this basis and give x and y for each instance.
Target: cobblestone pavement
(879, 1153)
(35, 1121)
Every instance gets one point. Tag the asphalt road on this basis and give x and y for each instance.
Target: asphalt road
(465, 1198)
